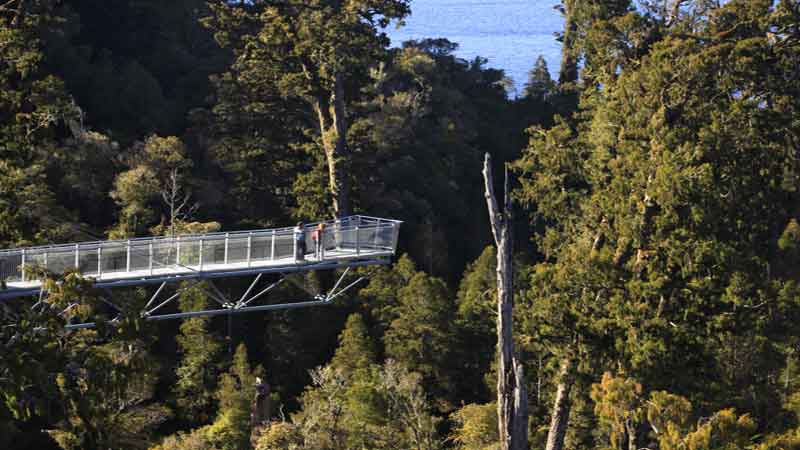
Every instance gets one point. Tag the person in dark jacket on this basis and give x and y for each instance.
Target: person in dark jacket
(299, 242)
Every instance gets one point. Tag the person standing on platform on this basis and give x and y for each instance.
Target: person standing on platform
(319, 238)
(299, 242)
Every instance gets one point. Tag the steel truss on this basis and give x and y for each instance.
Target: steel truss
(227, 306)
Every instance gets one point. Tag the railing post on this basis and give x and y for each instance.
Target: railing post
(201, 254)
(77, 257)
(150, 259)
(128, 256)
(22, 266)
(377, 231)
(358, 243)
(178, 251)
(99, 260)
(249, 248)
(272, 251)
(45, 259)
(225, 258)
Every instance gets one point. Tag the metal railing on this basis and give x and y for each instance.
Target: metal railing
(354, 235)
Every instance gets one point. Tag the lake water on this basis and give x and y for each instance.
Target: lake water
(511, 34)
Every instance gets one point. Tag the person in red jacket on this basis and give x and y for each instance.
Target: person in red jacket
(319, 241)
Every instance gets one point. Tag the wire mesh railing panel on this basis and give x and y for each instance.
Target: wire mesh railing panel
(261, 248)
(346, 238)
(87, 261)
(385, 237)
(187, 252)
(114, 258)
(164, 254)
(367, 238)
(36, 259)
(139, 256)
(59, 262)
(237, 249)
(213, 251)
(284, 246)
(11, 268)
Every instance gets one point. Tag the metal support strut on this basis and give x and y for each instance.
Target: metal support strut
(243, 305)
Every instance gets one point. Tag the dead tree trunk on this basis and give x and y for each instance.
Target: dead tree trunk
(562, 404)
(512, 399)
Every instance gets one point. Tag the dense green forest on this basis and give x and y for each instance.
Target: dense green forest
(655, 183)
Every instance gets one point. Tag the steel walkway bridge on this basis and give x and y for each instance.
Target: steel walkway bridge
(345, 243)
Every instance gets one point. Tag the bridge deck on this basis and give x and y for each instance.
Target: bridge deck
(351, 241)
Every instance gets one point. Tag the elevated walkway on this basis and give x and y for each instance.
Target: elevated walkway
(348, 242)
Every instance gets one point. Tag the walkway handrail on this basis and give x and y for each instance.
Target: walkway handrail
(149, 254)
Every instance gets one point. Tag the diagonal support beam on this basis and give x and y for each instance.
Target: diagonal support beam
(338, 282)
(347, 288)
(147, 313)
(249, 289)
(269, 288)
(155, 296)
(107, 302)
(214, 297)
(219, 293)
(67, 309)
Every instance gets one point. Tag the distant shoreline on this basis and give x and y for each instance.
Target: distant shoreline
(510, 34)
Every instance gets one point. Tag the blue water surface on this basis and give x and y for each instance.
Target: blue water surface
(511, 34)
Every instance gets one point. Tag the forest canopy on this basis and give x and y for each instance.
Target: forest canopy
(655, 194)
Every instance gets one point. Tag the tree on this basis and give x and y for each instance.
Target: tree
(231, 427)
(317, 52)
(582, 18)
(476, 326)
(421, 337)
(356, 350)
(649, 262)
(157, 174)
(198, 371)
(407, 409)
(622, 410)
(476, 427)
(512, 397)
(539, 85)
(33, 106)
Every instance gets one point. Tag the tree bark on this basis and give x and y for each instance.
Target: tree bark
(562, 404)
(333, 128)
(512, 398)
(630, 429)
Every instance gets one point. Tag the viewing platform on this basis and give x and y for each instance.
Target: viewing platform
(348, 242)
